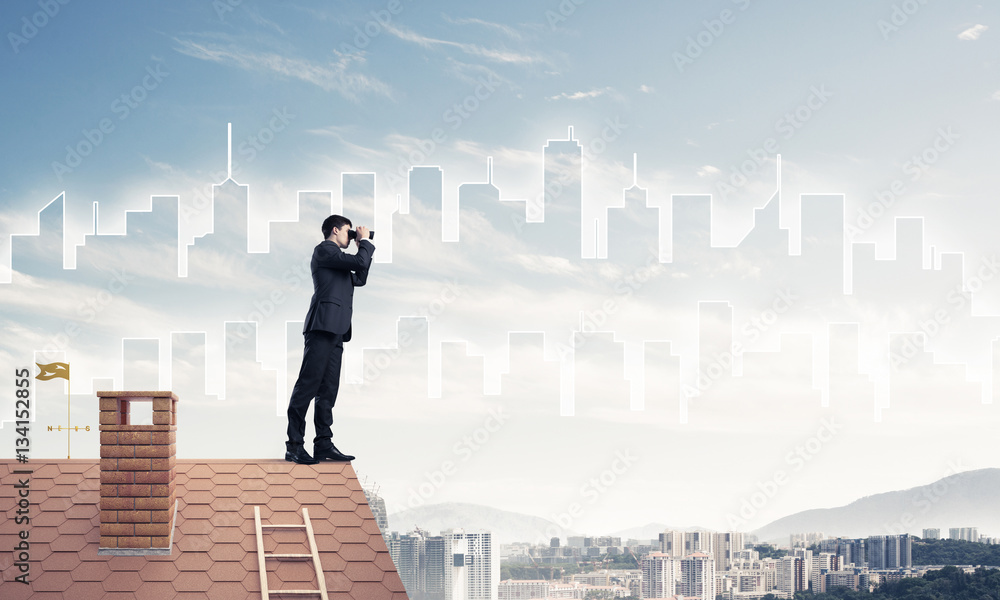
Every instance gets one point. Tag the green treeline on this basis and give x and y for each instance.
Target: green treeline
(949, 583)
(955, 552)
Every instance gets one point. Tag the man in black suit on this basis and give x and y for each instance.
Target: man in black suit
(328, 325)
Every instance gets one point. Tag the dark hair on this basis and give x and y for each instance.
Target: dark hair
(334, 222)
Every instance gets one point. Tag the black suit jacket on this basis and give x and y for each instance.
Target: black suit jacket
(335, 274)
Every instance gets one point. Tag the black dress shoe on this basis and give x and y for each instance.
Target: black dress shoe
(300, 456)
(331, 453)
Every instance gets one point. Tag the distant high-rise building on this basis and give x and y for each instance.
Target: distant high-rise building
(822, 564)
(791, 576)
(903, 548)
(672, 543)
(855, 553)
(698, 576)
(436, 565)
(969, 534)
(889, 551)
(658, 579)
(931, 534)
(480, 562)
(807, 562)
(377, 505)
(698, 541)
(407, 559)
(455, 575)
(725, 546)
(876, 552)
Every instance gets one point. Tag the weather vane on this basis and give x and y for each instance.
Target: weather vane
(51, 371)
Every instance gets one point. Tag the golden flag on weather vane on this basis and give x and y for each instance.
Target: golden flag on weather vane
(53, 370)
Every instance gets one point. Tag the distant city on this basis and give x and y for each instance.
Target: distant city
(457, 564)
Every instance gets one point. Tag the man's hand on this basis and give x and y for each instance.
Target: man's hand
(362, 235)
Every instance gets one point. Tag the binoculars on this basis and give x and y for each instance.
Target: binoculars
(351, 234)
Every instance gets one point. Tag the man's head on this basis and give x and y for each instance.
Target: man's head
(335, 228)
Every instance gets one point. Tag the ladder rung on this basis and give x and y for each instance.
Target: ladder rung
(288, 556)
(293, 591)
(283, 526)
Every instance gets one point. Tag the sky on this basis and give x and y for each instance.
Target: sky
(706, 263)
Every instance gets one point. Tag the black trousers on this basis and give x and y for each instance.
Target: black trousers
(319, 378)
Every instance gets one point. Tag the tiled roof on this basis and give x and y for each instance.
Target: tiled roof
(215, 545)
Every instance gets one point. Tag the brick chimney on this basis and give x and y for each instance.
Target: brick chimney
(138, 464)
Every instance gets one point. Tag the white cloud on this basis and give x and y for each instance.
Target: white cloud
(502, 56)
(972, 33)
(335, 76)
(996, 95)
(259, 19)
(645, 89)
(505, 29)
(554, 265)
(708, 170)
(594, 93)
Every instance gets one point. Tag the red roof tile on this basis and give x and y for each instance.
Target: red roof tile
(194, 526)
(251, 582)
(122, 581)
(226, 535)
(200, 472)
(252, 497)
(93, 571)
(226, 479)
(159, 571)
(63, 561)
(84, 590)
(252, 484)
(192, 581)
(363, 571)
(227, 590)
(215, 549)
(57, 581)
(226, 491)
(194, 485)
(357, 552)
(273, 479)
(193, 561)
(226, 505)
(157, 589)
(295, 571)
(228, 571)
(223, 553)
(369, 589)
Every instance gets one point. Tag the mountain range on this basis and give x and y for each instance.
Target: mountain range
(965, 499)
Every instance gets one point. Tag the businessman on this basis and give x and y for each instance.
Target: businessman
(328, 325)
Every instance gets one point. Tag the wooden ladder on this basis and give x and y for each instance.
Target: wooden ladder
(313, 554)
